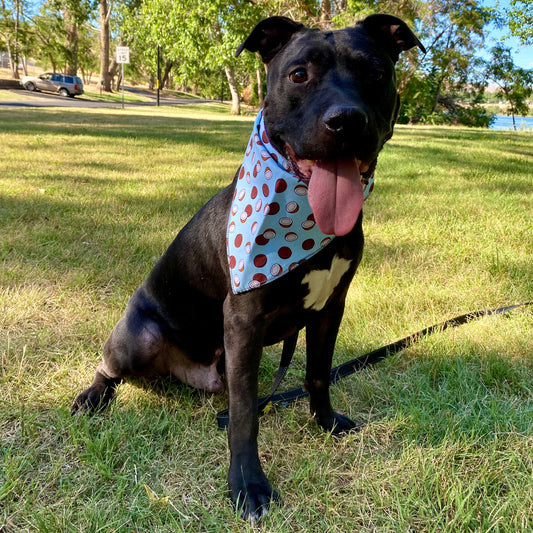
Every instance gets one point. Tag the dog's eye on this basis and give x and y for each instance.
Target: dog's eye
(298, 76)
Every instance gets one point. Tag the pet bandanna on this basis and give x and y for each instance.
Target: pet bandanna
(271, 228)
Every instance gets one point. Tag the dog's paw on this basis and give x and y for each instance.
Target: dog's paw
(338, 424)
(253, 496)
(92, 400)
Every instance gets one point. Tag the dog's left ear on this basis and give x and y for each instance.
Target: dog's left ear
(270, 36)
(393, 32)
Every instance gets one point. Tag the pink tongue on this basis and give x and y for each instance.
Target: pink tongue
(336, 195)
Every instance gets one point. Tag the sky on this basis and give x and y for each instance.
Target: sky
(522, 55)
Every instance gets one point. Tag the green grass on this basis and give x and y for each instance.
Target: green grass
(90, 198)
(113, 97)
(22, 95)
(14, 95)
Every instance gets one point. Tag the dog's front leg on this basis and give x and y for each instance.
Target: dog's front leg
(321, 334)
(243, 344)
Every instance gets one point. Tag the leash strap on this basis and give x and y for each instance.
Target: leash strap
(350, 367)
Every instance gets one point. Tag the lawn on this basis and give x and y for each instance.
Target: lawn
(89, 199)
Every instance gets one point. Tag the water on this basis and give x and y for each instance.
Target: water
(503, 122)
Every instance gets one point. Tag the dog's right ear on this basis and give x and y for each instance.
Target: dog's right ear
(393, 33)
(270, 36)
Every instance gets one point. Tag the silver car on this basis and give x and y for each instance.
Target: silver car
(63, 84)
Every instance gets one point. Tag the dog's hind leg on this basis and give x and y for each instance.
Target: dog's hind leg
(138, 348)
(115, 366)
(133, 349)
(99, 395)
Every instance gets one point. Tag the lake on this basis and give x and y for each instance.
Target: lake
(503, 122)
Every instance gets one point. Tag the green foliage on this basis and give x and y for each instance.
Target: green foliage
(65, 40)
(16, 35)
(416, 100)
(476, 116)
(515, 84)
(443, 86)
(198, 38)
(520, 20)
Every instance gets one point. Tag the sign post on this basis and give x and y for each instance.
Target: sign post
(158, 72)
(123, 56)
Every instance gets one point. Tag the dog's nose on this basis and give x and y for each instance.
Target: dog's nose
(340, 119)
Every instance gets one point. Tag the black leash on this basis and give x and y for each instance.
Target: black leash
(358, 363)
(289, 345)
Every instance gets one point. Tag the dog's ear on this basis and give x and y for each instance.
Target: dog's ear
(393, 32)
(270, 36)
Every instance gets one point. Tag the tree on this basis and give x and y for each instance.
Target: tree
(13, 32)
(61, 26)
(520, 20)
(88, 51)
(433, 85)
(105, 16)
(232, 22)
(198, 39)
(73, 14)
(515, 84)
(47, 29)
(453, 33)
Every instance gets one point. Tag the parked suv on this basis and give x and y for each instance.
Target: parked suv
(56, 83)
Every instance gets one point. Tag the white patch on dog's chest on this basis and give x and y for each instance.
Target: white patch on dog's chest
(322, 283)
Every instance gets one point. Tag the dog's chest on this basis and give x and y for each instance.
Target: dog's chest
(322, 283)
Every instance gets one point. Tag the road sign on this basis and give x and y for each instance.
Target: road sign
(123, 54)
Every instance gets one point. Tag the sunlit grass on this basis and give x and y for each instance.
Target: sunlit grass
(89, 199)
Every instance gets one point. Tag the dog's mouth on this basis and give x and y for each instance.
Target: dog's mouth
(335, 192)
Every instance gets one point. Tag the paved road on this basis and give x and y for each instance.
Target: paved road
(30, 99)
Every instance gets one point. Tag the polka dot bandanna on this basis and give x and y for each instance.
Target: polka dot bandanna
(271, 228)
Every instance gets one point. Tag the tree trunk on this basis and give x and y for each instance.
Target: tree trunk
(105, 78)
(14, 55)
(437, 95)
(260, 94)
(114, 67)
(235, 100)
(72, 39)
(52, 62)
(166, 74)
(119, 81)
(13, 64)
(17, 75)
(325, 14)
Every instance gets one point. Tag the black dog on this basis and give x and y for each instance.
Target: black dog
(331, 106)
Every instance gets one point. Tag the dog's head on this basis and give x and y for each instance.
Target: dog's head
(331, 93)
(332, 99)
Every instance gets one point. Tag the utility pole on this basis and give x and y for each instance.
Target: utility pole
(158, 73)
